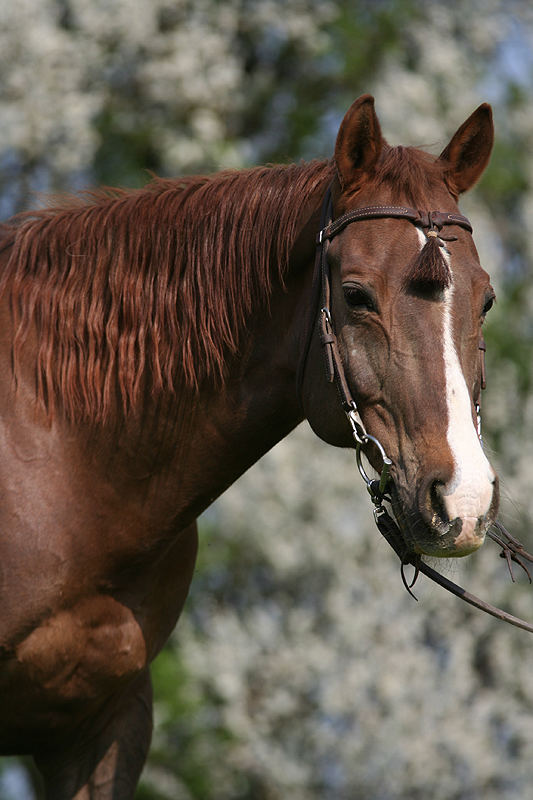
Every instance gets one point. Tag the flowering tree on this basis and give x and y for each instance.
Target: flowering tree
(94, 90)
(301, 669)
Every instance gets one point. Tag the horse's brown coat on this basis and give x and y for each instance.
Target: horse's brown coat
(149, 343)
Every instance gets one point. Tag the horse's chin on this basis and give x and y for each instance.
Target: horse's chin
(439, 546)
(454, 539)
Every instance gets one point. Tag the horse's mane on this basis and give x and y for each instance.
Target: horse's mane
(411, 173)
(133, 293)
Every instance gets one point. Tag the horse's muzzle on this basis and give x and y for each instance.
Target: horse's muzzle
(446, 522)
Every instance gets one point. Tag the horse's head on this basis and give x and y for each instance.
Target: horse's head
(408, 298)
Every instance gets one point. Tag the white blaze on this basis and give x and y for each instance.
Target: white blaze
(468, 495)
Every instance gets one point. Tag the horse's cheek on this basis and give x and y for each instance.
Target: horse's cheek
(366, 358)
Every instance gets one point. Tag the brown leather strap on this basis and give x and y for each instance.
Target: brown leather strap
(432, 220)
(482, 350)
(334, 366)
(512, 550)
(422, 219)
(390, 531)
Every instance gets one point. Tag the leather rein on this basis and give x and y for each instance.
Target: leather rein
(432, 223)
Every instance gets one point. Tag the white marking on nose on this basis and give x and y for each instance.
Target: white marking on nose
(468, 495)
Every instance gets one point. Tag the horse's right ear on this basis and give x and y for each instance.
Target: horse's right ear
(468, 152)
(359, 142)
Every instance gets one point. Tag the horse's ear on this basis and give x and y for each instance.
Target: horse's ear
(359, 141)
(469, 150)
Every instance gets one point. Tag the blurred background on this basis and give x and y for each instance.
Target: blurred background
(301, 668)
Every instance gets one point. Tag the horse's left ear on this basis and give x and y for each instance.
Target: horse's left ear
(359, 142)
(469, 150)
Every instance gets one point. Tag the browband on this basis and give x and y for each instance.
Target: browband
(433, 220)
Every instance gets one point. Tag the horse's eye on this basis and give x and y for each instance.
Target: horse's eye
(488, 304)
(358, 298)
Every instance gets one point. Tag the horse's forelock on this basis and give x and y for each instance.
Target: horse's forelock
(417, 179)
(412, 175)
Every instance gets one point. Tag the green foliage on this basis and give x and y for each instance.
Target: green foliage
(126, 152)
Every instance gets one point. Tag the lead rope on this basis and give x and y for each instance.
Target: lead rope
(512, 549)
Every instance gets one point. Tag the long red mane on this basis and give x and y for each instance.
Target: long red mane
(134, 293)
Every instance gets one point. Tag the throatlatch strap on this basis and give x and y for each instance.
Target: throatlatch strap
(316, 297)
(334, 367)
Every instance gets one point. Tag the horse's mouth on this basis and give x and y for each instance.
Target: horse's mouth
(441, 538)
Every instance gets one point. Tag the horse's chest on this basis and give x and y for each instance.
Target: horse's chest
(83, 652)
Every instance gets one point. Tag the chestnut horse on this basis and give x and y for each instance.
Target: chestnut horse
(150, 347)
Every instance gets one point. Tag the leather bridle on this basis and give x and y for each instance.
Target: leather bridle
(432, 223)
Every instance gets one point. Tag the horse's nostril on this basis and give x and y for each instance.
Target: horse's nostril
(437, 506)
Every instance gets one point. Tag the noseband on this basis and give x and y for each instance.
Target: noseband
(432, 223)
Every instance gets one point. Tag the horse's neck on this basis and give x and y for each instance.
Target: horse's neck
(167, 466)
(202, 442)
(229, 429)
(222, 431)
